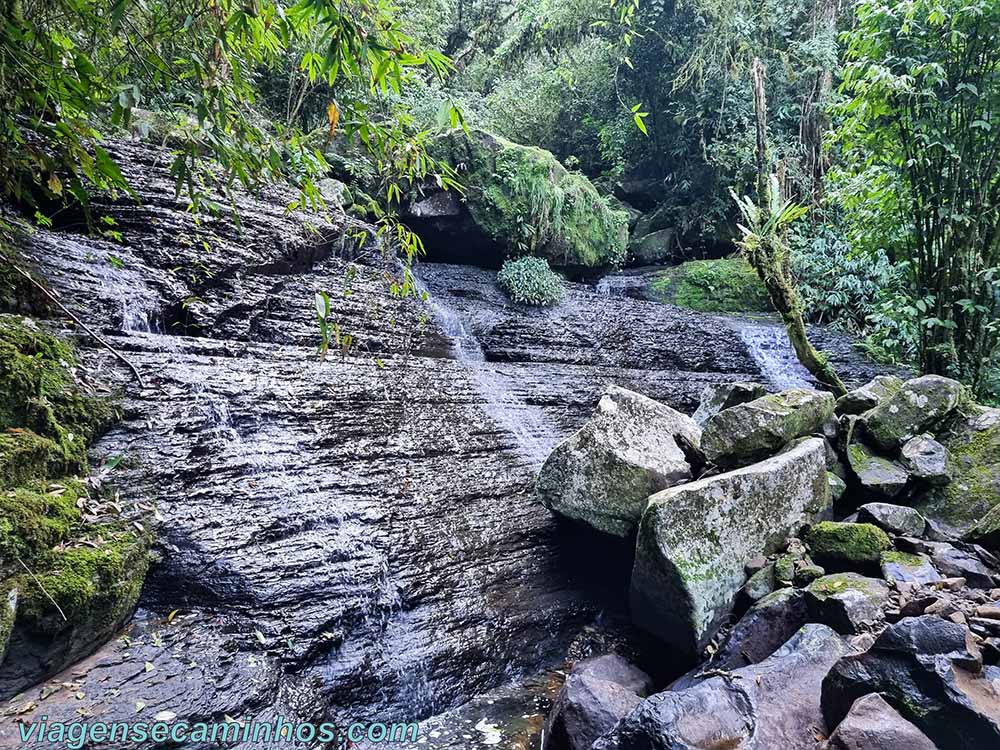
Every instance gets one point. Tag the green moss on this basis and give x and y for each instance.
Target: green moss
(837, 583)
(725, 285)
(26, 457)
(528, 203)
(97, 584)
(8, 612)
(902, 558)
(38, 390)
(36, 517)
(847, 545)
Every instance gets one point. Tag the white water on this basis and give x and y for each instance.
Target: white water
(769, 346)
(528, 424)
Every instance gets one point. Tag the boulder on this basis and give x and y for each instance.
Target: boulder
(868, 396)
(597, 693)
(654, 248)
(973, 445)
(921, 404)
(879, 475)
(872, 724)
(987, 531)
(959, 563)
(603, 474)
(758, 634)
(925, 459)
(847, 546)
(930, 670)
(846, 601)
(506, 187)
(896, 519)
(766, 706)
(760, 584)
(902, 567)
(752, 431)
(837, 486)
(694, 539)
(718, 396)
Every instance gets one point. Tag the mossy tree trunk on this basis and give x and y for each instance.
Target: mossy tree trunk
(770, 256)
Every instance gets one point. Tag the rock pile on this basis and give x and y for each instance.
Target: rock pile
(827, 574)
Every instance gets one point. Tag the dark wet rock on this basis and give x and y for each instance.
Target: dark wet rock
(694, 538)
(896, 519)
(921, 404)
(773, 704)
(807, 573)
(868, 396)
(631, 448)
(929, 670)
(847, 602)
(925, 459)
(586, 708)
(872, 724)
(903, 567)
(654, 247)
(955, 562)
(842, 546)
(878, 475)
(721, 396)
(754, 430)
(758, 634)
(973, 444)
(616, 669)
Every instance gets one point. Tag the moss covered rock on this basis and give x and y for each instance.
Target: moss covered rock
(522, 201)
(878, 475)
(8, 612)
(36, 517)
(724, 285)
(847, 546)
(846, 601)
(921, 404)
(973, 449)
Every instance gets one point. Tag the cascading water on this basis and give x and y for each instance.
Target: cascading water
(529, 426)
(769, 346)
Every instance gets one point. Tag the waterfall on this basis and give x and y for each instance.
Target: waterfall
(769, 346)
(526, 422)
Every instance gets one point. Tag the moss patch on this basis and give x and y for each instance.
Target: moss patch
(524, 200)
(36, 517)
(725, 285)
(847, 545)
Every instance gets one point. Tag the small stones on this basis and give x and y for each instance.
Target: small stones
(895, 519)
(989, 612)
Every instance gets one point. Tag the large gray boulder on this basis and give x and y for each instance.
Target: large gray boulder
(773, 705)
(930, 670)
(757, 429)
(879, 475)
(921, 404)
(926, 459)
(896, 519)
(695, 538)
(872, 724)
(870, 395)
(603, 474)
(718, 396)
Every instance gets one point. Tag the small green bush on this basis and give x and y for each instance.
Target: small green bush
(530, 281)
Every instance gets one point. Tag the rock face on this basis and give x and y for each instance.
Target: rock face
(921, 404)
(694, 539)
(757, 429)
(929, 670)
(869, 395)
(506, 183)
(872, 724)
(773, 704)
(596, 694)
(631, 448)
(715, 398)
(973, 445)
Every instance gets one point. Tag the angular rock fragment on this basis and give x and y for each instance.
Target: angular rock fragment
(925, 459)
(630, 448)
(879, 475)
(694, 539)
(718, 396)
(902, 567)
(869, 395)
(896, 519)
(921, 404)
(846, 601)
(872, 724)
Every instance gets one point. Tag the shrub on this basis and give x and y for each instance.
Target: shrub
(530, 281)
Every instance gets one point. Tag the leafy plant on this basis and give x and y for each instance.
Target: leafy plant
(530, 281)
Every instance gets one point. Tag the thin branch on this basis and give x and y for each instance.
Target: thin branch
(39, 583)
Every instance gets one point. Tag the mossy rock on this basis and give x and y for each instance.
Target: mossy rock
(847, 546)
(525, 202)
(922, 404)
(95, 585)
(8, 613)
(39, 391)
(973, 445)
(724, 285)
(36, 517)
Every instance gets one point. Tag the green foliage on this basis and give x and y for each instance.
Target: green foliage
(923, 87)
(726, 285)
(530, 281)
